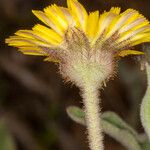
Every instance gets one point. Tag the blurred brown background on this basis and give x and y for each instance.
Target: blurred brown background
(34, 97)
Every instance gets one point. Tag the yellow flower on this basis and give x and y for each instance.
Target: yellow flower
(86, 46)
(72, 36)
(117, 30)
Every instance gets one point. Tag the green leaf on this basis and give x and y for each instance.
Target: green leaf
(114, 119)
(76, 114)
(145, 144)
(112, 125)
(145, 106)
(6, 141)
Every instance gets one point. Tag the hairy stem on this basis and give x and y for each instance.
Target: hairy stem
(92, 116)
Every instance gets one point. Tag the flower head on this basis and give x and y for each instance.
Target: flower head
(79, 40)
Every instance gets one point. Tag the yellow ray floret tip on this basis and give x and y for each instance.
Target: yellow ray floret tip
(129, 52)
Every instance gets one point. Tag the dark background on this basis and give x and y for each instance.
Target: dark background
(34, 97)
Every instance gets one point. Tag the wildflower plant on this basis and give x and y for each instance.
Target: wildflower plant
(86, 46)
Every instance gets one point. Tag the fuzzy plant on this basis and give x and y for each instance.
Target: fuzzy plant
(86, 47)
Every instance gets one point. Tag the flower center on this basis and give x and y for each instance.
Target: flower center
(84, 64)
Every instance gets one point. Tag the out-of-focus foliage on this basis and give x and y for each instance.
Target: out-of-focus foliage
(6, 139)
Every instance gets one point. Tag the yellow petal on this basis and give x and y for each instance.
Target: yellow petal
(48, 34)
(57, 17)
(115, 10)
(92, 24)
(17, 41)
(139, 23)
(131, 34)
(32, 51)
(52, 59)
(122, 20)
(142, 38)
(79, 13)
(68, 15)
(129, 52)
(45, 18)
(33, 35)
(105, 20)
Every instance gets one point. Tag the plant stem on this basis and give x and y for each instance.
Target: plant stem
(92, 117)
